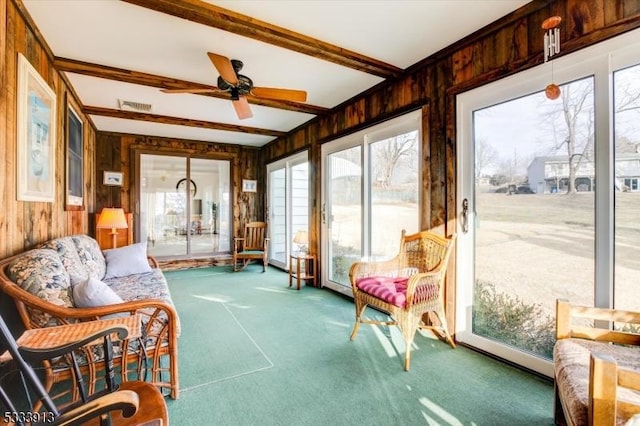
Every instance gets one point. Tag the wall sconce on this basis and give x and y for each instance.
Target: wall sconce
(551, 27)
(302, 239)
(113, 218)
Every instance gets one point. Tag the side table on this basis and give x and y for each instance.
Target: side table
(302, 266)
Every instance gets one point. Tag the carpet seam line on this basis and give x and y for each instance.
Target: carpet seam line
(244, 330)
(224, 379)
(248, 335)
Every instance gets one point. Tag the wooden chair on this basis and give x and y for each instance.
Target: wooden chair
(129, 403)
(407, 286)
(596, 368)
(254, 245)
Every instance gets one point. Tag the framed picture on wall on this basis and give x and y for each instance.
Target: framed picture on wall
(36, 125)
(249, 185)
(112, 178)
(75, 161)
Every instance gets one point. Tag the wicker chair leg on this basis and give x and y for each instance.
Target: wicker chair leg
(408, 325)
(407, 357)
(443, 325)
(356, 327)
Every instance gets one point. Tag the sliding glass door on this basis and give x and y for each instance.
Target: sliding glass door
(184, 205)
(545, 183)
(288, 206)
(370, 193)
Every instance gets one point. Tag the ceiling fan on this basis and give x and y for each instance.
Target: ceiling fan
(240, 86)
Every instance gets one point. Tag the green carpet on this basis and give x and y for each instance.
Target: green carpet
(255, 352)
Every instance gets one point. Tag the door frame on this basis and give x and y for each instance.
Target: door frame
(598, 61)
(286, 163)
(362, 138)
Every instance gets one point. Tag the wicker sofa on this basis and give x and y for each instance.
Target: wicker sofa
(43, 281)
(597, 370)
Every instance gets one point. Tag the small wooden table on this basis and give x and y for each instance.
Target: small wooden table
(302, 266)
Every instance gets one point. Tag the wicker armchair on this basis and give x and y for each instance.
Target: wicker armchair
(407, 286)
(253, 246)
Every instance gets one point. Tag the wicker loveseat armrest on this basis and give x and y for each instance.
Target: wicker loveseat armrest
(153, 262)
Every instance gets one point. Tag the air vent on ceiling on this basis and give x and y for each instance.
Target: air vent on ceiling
(134, 106)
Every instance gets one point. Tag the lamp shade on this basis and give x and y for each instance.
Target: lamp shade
(301, 237)
(113, 218)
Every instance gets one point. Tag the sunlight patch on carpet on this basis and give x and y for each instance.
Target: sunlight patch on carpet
(213, 298)
(219, 348)
(442, 414)
(272, 290)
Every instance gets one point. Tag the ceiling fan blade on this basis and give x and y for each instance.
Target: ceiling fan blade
(282, 94)
(194, 90)
(224, 67)
(242, 108)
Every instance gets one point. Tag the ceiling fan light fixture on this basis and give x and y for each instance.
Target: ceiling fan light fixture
(237, 65)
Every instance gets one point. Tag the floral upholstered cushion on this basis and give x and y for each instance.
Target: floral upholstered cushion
(90, 255)
(68, 253)
(391, 290)
(42, 273)
(152, 285)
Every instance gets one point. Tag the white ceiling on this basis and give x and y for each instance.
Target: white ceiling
(117, 34)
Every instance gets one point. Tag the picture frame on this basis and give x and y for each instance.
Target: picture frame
(112, 178)
(36, 135)
(249, 185)
(74, 176)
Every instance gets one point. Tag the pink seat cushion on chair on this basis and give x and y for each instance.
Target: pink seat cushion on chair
(391, 290)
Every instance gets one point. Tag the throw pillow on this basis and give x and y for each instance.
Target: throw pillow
(92, 293)
(127, 260)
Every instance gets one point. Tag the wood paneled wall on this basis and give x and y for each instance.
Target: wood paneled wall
(25, 224)
(509, 45)
(115, 152)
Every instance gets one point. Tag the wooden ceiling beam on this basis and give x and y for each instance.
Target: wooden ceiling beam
(227, 20)
(165, 119)
(136, 77)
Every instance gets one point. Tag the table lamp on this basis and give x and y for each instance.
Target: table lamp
(302, 239)
(112, 217)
